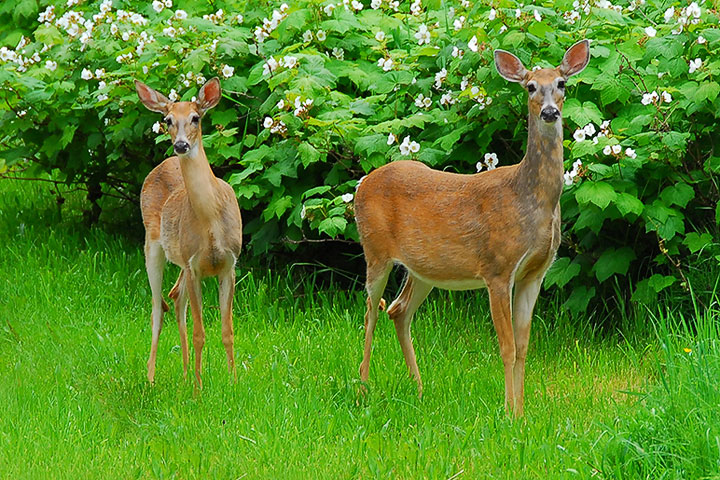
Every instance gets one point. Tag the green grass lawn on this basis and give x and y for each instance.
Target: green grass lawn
(75, 336)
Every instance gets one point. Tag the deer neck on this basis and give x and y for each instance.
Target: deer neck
(539, 175)
(200, 184)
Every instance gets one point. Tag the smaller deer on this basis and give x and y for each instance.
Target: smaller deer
(191, 218)
(499, 229)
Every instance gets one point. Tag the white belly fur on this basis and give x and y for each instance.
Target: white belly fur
(464, 284)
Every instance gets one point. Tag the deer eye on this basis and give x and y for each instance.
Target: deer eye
(195, 119)
(531, 88)
(561, 84)
(168, 121)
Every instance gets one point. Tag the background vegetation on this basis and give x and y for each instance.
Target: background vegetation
(319, 93)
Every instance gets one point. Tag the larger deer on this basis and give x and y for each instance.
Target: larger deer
(499, 229)
(191, 218)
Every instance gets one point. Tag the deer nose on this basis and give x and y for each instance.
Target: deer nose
(181, 147)
(550, 114)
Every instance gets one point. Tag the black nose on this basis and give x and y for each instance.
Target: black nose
(550, 114)
(181, 147)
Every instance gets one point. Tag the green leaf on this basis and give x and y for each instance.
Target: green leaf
(613, 262)
(679, 194)
(582, 114)
(598, 193)
(628, 204)
(660, 282)
(561, 272)
(579, 299)
(333, 226)
(308, 154)
(370, 144)
(696, 241)
(676, 140)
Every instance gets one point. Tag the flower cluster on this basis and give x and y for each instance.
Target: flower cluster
(275, 126)
(421, 101)
(386, 63)
(655, 98)
(407, 146)
(489, 162)
(569, 177)
(268, 26)
(686, 16)
(271, 64)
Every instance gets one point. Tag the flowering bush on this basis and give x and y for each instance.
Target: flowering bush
(318, 93)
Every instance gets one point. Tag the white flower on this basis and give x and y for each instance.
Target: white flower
(156, 127)
(380, 36)
(414, 147)
(375, 4)
(321, 36)
(307, 36)
(569, 178)
(227, 71)
(51, 65)
(493, 14)
(695, 64)
(281, 105)
(386, 64)
(338, 53)
(650, 31)
(537, 16)
(356, 5)
(422, 35)
(405, 146)
(181, 14)
(458, 22)
(102, 97)
(145, 69)
(329, 9)
(416, 7)
(503, 28)
(666, 97)
(268, 122)
(440, 77)
(491, 160)
(630, 153)
(589, 129)
(694, 10)
(347, 198)
(607, 150)
(579, 135)
(239, 18)
(649, 98)
(101, 85)
(289, 61)
(270, 66)
(158, 6)
(701, 40)
(479, 166)
(616, 149)
(173, 95)
(391, 139)
(456, 52)
(86, 74)
(303, 212)
(576, 165)
(669, 14)
(170, 32)
(473, 44)
(447, 99)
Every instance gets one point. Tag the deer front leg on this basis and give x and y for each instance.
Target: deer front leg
(502, 319)
(526, 293)
(377, 275)
(154, 264)
(226, 282)
(193, 283)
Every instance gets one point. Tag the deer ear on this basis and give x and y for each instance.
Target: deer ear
(154, 101)
(576, 58)
(509, 66)
(209, 95)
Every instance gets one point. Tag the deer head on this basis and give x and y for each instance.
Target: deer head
(546, 86)
(182, 118)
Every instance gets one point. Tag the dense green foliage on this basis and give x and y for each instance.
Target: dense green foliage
(318, 94)
(75, 335)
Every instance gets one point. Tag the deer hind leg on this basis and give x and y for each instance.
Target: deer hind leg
(501, 311)
(193, 284)
(377, 276)
(526, 293)
(154, 264)
(179, 296)
(401, 311)
(226, 282)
